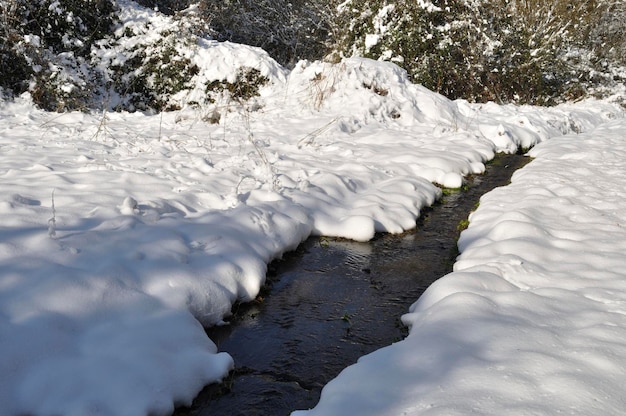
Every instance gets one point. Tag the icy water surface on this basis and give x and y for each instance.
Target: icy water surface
(332, 301)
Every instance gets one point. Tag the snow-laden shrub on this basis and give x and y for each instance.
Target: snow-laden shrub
(168, 7)
(45, 47)
(245, 87)
(148, 59)
(603, 66)
(288, 31)
(155, 62)
(502, 50)
(67, 25)
(474, 50)
(151, 73)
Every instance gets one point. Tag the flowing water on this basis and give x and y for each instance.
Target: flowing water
(332, 301)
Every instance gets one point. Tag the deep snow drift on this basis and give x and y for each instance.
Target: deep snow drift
(120, 234)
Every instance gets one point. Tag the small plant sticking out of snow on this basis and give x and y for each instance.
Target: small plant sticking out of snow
(52, 221)
(323, 84)
(310, 138)
(383, 92)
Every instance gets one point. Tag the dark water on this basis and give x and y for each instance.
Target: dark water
(332, 301)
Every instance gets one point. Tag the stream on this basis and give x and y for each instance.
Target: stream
(332, 301)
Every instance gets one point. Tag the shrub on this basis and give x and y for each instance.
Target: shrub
(156, 66)
(45, 47)
(245, 87)
(288, 31)
(168, 7)
(152, 74)
(503, 50)
(67, 25)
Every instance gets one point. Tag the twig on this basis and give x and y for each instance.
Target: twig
(308, 139)
(52, 222)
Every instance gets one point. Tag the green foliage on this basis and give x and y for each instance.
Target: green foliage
(245, 87)
(45, 47)
(288, 31)
(522, 51)
(153, 74)
(168, 7)
(501, 50)
(462, 225)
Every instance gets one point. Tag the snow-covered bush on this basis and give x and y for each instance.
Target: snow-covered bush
(155, 62)
(455, 47)
(67, 25)
(605, 66)
(245, 87)
(160, 63)
(168, 7)
(556, 34)
(151, 66)
(502, 50)
(288, 31)
(114, 53)
(45, 47)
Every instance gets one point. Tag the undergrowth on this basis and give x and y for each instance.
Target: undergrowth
(77, 54)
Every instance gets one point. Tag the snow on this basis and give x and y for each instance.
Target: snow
(532, 320)
(122, 234)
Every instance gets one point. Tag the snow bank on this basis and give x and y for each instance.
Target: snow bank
(532, 320)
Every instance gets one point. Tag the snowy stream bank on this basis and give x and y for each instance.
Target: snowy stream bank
(333, 301)
(532, 320)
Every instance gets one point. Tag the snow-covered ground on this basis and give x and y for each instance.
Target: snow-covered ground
(122, 234)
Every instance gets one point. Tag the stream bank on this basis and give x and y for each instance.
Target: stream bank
(332, 301)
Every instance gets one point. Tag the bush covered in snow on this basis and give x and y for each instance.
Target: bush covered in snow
(73, 54)
(168, 7)
(504, 50)
(45, 47)
(288, 31)
(155, 62)
(152, 62)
